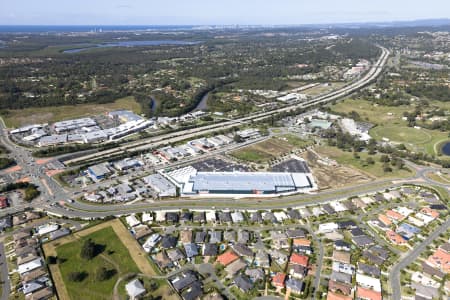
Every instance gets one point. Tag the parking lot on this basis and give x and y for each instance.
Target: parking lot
(219, 165)
(292, 166)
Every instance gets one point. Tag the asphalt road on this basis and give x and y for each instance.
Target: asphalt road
(6, 288)
(153, 142)
(409, 257)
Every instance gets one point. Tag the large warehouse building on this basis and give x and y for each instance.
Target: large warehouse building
(245, 184)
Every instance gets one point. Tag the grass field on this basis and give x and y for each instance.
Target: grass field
(272, 148)
(389, 124)
(121, 252)
(347, 158)
(32, 115)
(90, 288)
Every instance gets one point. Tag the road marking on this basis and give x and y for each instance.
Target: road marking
(47, 187)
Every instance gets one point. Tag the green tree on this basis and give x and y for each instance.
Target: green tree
(88, 250)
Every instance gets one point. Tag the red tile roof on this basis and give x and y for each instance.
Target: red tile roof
(227, 258)
(334, 296)
(299, 259)
(367, 294)
(279, 279)
(302, 242)
(441, 260)
(395, 238)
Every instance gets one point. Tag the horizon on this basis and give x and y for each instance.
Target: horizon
(237, 24)
(206, 13)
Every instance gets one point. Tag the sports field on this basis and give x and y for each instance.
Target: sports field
(390, 125)
(34, 115)
(117, 250)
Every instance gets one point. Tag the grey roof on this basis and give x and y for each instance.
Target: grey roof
(172, 217)
(225, 217)
(161, 185)
(59, 233)
(175, 254)
(194, 292)
(380, 251)
(363, 241)
(255, 274)
(135, 288)
(341, 277)
(32, 286)
(215, 237)
(200, 237)
(181, 283)
(248, 181)
(210, 249)
(243, 283)
(372, 257)
(294, 214)
(243, 236)
(229, 236)
(369, 270)
(186, 216)
(426, 291)
(243, 250)
(295, 233)
(327, 207)
(341, 244)
(346, 224)
(5, 222)
(199, 216)
(295, 284)
(256, 217)
(191, 250)
(168, 241)
(357, 232)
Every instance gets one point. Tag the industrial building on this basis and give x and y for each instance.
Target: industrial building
(245, 184)
(99, 172)
(161, 185)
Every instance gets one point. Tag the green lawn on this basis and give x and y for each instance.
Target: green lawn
(90, 288)
(32, 115)
(347, 158)
(401, 134)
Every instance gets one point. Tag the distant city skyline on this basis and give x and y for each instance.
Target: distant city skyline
(208, 12)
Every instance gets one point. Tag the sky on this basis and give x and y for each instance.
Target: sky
(216, 12)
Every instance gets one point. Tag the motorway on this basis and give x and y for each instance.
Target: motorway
(150, 143)
(409, 257)
(52, 192)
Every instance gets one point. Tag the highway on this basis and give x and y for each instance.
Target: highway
(149, 143)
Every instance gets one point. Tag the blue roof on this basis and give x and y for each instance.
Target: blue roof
(408, 228)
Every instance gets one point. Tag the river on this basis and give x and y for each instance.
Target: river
(203, 105)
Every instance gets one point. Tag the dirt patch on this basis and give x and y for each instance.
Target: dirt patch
(333, 175)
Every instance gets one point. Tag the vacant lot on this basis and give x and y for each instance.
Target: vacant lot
(373, 170)
(116, 250)
(272, 148)
(17, 118)
(329, 176)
